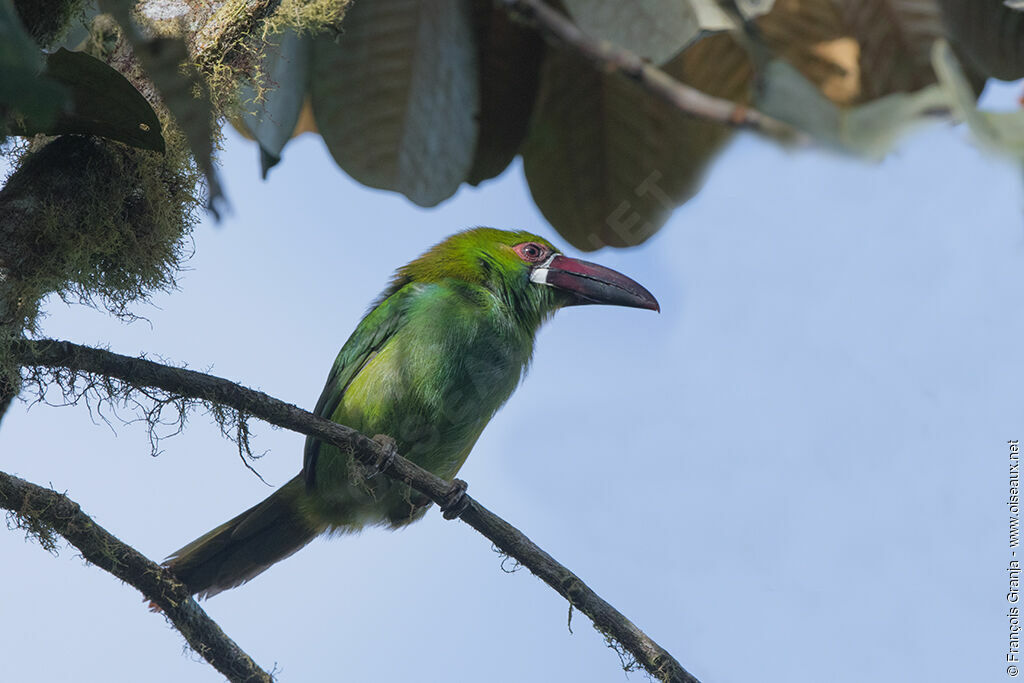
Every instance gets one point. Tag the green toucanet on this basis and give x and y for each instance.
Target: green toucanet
(438, 353)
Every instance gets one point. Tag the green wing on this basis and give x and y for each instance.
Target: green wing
(372, 333)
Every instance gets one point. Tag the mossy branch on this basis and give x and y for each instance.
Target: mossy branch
(235, 23)
(509, 540)
(42, 511)
(229, 27)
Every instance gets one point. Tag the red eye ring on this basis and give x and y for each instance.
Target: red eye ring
(531, 252)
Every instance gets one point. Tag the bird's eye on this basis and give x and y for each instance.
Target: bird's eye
(531, 251)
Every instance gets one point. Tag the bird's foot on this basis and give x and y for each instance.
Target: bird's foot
(455, 501)
(389, 449)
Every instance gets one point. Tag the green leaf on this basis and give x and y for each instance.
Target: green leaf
(23, 94)
(1000, 132)
(102, 103)
(396, 96)
(868, 129)
(989, 34)
(283, 80)
(786, 94)
(656, 29)
(16, 47)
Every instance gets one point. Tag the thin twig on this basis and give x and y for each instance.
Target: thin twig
(508, 539)
(557, 28)
(34, 506)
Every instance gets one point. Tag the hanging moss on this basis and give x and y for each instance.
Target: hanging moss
(309, 16)
(97, 221)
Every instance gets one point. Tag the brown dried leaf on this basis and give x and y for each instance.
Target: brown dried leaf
(306, 122)
(811, 36)
(895, 38)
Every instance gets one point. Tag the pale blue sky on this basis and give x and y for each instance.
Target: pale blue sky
(797, 472)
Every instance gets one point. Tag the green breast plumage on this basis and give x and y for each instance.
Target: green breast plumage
(440, 360)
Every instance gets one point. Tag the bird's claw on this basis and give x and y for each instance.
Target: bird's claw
(389, 449)
(455, 500)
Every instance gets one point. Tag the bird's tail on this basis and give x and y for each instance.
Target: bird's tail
(238, 550)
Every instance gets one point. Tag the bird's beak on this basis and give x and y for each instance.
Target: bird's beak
(591, 283)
